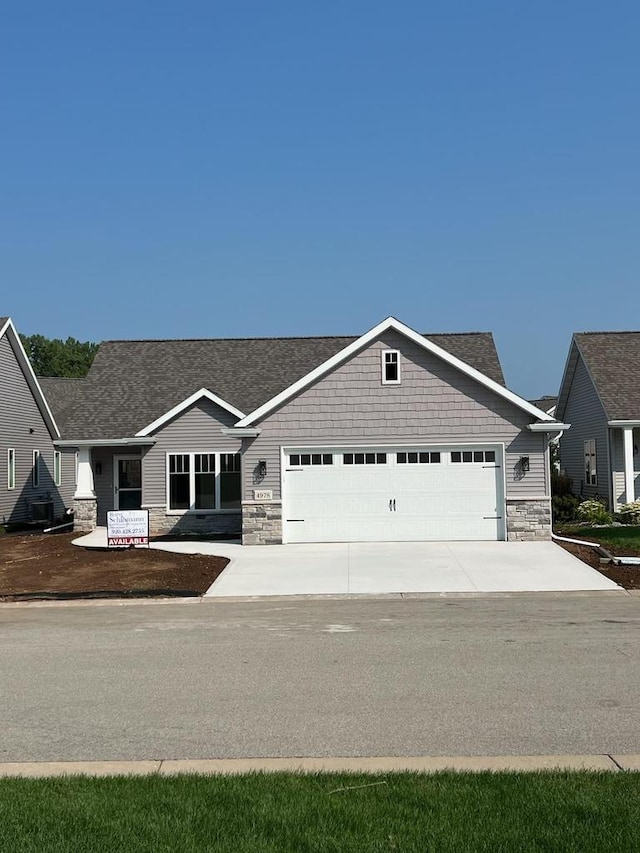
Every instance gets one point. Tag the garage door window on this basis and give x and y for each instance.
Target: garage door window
(296, 459)
(364, 458)
(425, 458)
(480, 456)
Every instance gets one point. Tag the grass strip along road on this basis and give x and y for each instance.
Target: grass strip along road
(276, 813)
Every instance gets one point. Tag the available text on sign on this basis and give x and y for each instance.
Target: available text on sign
(127, 527)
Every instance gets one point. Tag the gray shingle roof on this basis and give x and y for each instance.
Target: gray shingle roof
(132, 383)
(613, 360)
(63, 396)
(545, 403)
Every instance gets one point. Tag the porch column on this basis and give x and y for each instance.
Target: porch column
(85, 504)
(84, 483)
(629, 487)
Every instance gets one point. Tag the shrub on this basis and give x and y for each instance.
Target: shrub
(594, 512)
(563, 507)
(630, 513)
(560, 483)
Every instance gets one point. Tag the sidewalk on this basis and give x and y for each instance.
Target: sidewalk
(379, 764)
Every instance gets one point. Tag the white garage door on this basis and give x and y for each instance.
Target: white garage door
(393, 494)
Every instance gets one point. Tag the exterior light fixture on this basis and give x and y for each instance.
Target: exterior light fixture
(262, 467)
(524, 463)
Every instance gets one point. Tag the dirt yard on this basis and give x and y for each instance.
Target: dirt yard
(627, 576)
(36, 565)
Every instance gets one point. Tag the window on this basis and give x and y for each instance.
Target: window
(35, 471)
(11, 468)
(230, 486)
(590, 470)
(390, 367)
(296, 459)
(364, 458)
(481, 456)
(203, 482)
(57, 467)
(422, 458)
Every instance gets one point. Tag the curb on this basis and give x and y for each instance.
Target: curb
(378, 764)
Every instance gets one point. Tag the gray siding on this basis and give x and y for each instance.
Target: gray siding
(588, 420)
(435, 403)
(198, 429)
(23, 428)
(617, 463)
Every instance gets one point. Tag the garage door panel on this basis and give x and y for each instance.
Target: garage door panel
(394, 502)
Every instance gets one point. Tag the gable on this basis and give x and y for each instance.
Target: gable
(433, 398)
(20, 388)
(406, 334)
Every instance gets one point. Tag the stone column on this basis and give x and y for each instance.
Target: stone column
(85, 504)
(629, 476)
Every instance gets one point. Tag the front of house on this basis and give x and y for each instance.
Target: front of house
(388, 437)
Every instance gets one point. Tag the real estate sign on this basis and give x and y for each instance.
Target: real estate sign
(127, 527)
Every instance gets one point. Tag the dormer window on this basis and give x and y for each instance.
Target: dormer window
(390, 367)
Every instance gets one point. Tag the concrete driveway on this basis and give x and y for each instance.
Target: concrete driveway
(398, 567)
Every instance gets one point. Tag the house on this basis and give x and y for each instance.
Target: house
(389, 436)
(37, 480)
(600, 396)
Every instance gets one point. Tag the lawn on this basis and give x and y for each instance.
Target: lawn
(626, 537)
(447, 813)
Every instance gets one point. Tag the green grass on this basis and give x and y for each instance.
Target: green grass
(618, 537)
(445, 813)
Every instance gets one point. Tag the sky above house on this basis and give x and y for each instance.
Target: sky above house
(243, 169)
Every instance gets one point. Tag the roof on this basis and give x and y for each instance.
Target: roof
(133, 383)
(545, 403)
(62, 395)
(613, 362)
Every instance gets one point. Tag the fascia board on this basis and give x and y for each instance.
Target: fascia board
(360, 343)
(135, 441)
(181, 407)
(549, 427)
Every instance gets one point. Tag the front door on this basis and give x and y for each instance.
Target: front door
(127, 482)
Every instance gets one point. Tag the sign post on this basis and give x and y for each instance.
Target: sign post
(126, 527)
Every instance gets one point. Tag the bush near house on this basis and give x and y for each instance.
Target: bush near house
(593, 512)
(630, 513)
(563, 502)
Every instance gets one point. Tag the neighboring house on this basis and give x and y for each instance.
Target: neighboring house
(37, 480)
(389, 436)
(600, 396)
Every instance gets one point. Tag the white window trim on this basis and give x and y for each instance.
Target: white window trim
(35, 470)
(11, 469)
(591, 455)
(57, 468)
(192, 482)
(383, 364)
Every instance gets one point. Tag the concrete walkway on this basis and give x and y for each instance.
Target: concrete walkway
(378, 764)
(388, 567)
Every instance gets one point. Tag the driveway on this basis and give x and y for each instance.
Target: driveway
(398, 567)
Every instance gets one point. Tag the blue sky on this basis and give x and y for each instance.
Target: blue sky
(208, 169)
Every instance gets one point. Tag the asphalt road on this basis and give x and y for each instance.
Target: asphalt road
(534, 674)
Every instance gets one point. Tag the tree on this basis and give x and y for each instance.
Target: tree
(55, 357)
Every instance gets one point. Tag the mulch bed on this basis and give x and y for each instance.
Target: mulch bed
(37, 565)
(627, 576)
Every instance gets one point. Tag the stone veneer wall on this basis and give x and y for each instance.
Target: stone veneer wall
(85, 514)
(227, 524)
(261, 523)
(528, 519)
